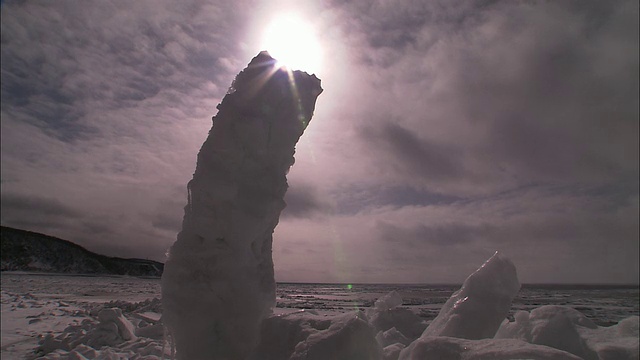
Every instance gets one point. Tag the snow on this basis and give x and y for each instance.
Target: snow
(41, 326)
(218, 283)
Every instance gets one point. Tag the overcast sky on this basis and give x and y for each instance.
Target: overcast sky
(447, 130)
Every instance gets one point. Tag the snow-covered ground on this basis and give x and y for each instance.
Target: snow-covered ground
(48, 312)
(36, 308)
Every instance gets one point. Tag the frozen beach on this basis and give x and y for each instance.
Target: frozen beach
(36, 305)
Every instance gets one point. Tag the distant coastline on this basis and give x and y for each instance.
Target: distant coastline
(34, 252)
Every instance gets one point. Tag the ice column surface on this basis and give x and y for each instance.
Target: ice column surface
(218, 282)
(476, 310)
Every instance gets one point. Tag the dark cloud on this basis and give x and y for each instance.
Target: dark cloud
(36, 205)
(101, 105)
(550, 101)
(47, 226)
(97, 227)
(504, 94)
(391, 30)
(452, 234)
(304, 201)
(169, 220)
(353, 198)
(41, 214)
(407, 153)
(108, 56)
(545, 229)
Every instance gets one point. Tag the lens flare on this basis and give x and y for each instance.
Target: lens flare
(293, 43)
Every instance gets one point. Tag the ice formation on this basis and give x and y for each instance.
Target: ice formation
(218, 283)
(482, 303)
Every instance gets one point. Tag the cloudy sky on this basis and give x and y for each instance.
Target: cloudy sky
(447, 130)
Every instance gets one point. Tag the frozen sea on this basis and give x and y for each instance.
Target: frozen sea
(604, 304)
(36, 304)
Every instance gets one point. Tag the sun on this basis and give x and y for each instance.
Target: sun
(293, 42)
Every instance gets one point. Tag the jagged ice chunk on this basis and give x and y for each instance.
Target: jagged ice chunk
(482, 303)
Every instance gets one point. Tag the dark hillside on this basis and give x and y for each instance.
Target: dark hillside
(29, 251)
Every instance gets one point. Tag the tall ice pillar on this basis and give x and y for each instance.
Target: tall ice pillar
(218, 282)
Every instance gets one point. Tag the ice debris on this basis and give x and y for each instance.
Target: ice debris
(304, 336)
(350, 337)
(124, 328)
(109, 332)
(386, 331)
(444, 347)
(389, 301)
(567, 329)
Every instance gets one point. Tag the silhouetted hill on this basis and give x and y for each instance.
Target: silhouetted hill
(29, 251)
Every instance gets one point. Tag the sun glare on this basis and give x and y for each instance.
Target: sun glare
(293, 43)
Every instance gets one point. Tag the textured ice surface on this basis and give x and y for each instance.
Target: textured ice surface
(482, 303)
(402, 319)
(125, 329)
(620, 341)
(390, 337)
(393, 323)
(307, 336)
(218, 282)
(443, 347)
(349, 337)
(388, 301)
(567, 329)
